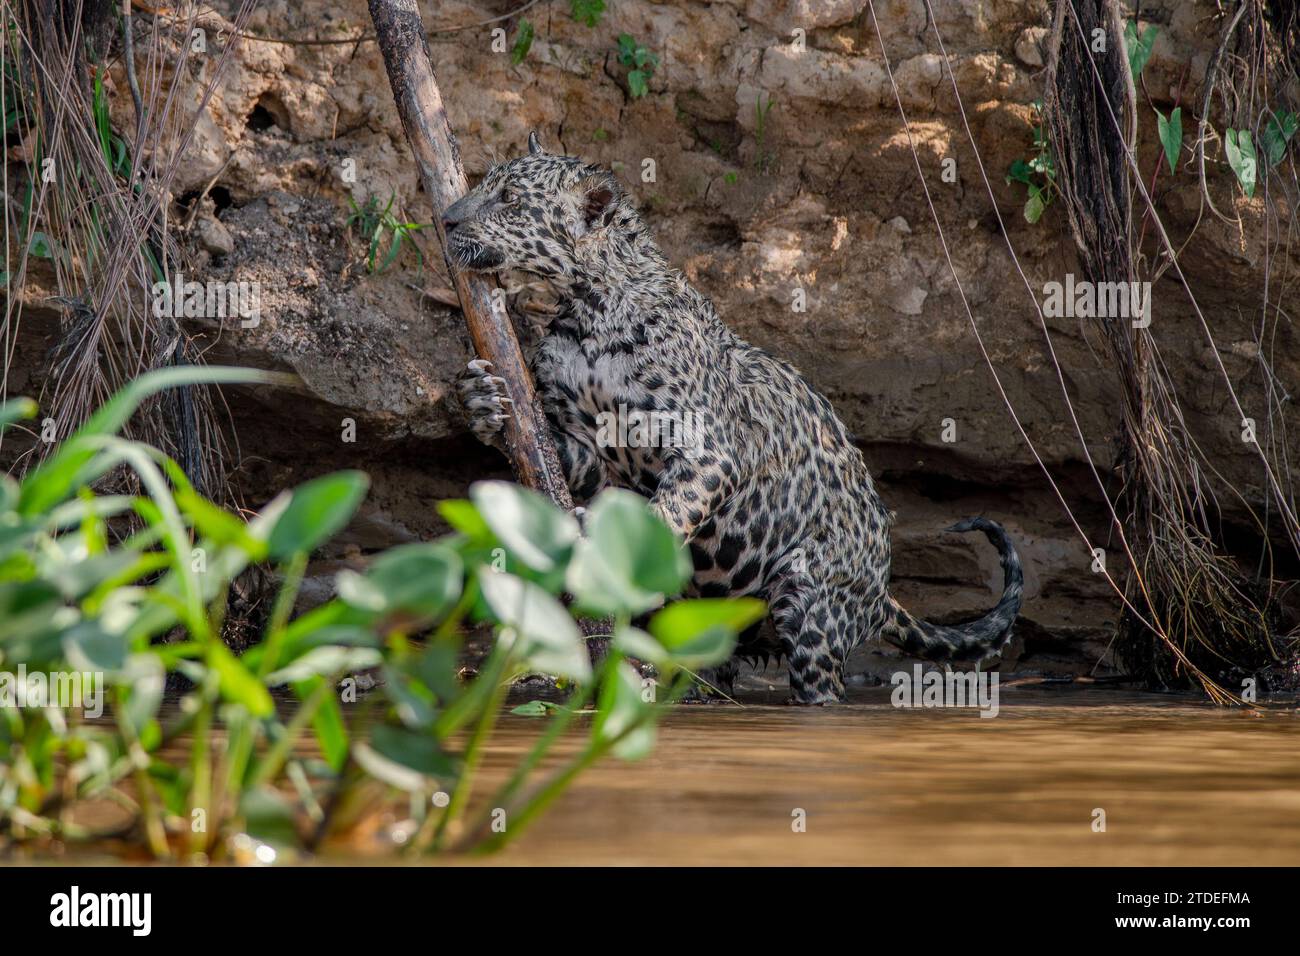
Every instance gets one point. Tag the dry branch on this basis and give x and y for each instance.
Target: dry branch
(401, 37)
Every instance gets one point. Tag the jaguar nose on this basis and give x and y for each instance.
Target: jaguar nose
(456, 213)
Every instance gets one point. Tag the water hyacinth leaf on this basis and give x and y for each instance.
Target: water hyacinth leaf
(534, 708)
(629, 561)
(546, 636)
(172, 785)
(412, 702)
(16, 410)
(77, 575)
(89, 647)
(534, 530)
(464, 517)
(701, 632)
(325, 661)
(33, 619)
(1241, 157)
(358, 592)
(238, 684)
(1171, 135)
(415, 753)
(316, 512)
(623, 712)
(436, 669)
(319, 627)
(146, 677)
(327, 723)
(9, 492)
(268, 816)
(634, 642)
(420, 580)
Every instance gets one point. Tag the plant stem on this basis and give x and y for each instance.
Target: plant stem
(561, 780)
(201, 771)
(274, 759)
(284, 601)
(499, 686)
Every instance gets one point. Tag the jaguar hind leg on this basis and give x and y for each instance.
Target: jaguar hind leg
(817, 625)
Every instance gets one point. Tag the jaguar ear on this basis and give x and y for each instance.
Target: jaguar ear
(599, 194)
(534, 145)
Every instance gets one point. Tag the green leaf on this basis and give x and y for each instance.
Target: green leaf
(699, 633)
(1139, 48)
(1020, 172)
(465, 518)
(325, 661)
(1277, 133)
(634, 642)
(534, 708)
(629, 561)
(531, 527)
(237, 682)
(622, 708)
(91, 647)
(523, 42)
(421, 582)
(547, 637)
(412, 702)
(1171, 135)
(147, 678)
(317, 511)
(327, 723)
(1034, 205)
(1241, 157)
(55, 478)
(413, 751)
(587, 11)
(217, 524)
(42, 246)
(16, 410)
(637, 85)
(437, 668)
(268, 816)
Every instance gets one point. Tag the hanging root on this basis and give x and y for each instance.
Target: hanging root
(1192, 615)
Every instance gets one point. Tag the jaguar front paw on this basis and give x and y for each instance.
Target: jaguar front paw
(485, 402)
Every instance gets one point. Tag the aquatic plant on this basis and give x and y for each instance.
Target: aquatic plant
(264, 755)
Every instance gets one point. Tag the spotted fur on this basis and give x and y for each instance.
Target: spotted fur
(771, 493)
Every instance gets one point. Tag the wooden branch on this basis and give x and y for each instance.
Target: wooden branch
(400, 34)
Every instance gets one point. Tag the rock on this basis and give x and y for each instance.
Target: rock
(1029, 46)
(213, 236)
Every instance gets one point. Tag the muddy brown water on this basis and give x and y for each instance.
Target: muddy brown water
(1181, 782)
